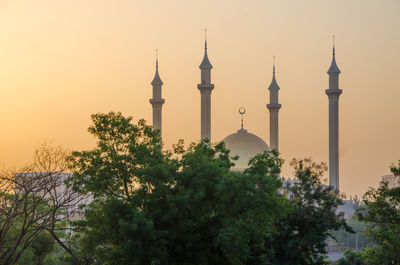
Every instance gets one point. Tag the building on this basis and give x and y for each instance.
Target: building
(392, 180)
(53, 188)
(243, 143)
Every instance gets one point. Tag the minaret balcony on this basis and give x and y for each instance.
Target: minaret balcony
(157, 101)
(333, 92)
(274, 106)
(206, 88)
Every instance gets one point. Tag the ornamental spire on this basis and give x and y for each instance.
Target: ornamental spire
(156, 79)
(157, 59)
(333, 69)
(205, 39)
(205, 64)
(242, 111)
(273, 70)
(274, 84)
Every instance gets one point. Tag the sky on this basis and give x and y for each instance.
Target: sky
(61, 61)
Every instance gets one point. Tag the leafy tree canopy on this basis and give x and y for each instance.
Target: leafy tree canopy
(311, 217)
(381, 212)
(186, 206)
(180, 207)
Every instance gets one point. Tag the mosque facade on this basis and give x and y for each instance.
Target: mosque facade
(243, 143)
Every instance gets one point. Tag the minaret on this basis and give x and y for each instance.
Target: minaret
(205, 88)
(157, 101)
(333, 94)
(273, 108)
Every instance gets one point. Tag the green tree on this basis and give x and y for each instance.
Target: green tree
(40, 248)
(123, 151)
(352, 257)
(381, 211)
(180, 207)
(311, 217)
(357, 240)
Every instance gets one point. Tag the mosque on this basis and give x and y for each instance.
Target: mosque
(243, 143)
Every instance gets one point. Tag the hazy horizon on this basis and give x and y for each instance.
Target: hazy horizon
(61, 61)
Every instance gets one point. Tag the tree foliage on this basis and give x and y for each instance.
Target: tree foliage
(357, 240)
(36, 254)
(352, 257)
(311, 217)
(123, 151)
(186, 206)
(381, 212)
(178, 207)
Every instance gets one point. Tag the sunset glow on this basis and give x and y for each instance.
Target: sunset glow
(61, 61)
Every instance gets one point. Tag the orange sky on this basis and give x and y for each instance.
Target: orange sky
(61, 61)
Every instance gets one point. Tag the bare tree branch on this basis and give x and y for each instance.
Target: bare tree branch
(35, 199)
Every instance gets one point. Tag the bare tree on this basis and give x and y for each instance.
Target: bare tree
(36, 199)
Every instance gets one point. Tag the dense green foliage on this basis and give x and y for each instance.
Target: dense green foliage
(310, 219)
(186, 206)
(37, 252)
(352, 257)
(381, 213)
(349, 240)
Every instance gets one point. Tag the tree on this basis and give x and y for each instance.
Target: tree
(173, 207)
(352, 258)
(40, 248)
(381, 212)
(357, 240)
(311, 218)
(123, 150)
(33, 204)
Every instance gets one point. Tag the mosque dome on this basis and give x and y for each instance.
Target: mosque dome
(246, 146)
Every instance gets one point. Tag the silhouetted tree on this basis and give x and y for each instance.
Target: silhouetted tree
(180, 207)
(381, 212)
(310, 220)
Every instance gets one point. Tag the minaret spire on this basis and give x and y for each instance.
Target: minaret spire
(205, 39)
(205, 88)
(333, 68)
(157, 60)
(333, 46)
(273, 68)
(333, 95)
(205, 64)
(157, 101)
(273, 108)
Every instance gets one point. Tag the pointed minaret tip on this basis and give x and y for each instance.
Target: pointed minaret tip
(273, 68)
(205, 39)
(274, 84)
(205, 64)
(333, 69)
(333, 50)
(157, 80)
(157, 59)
